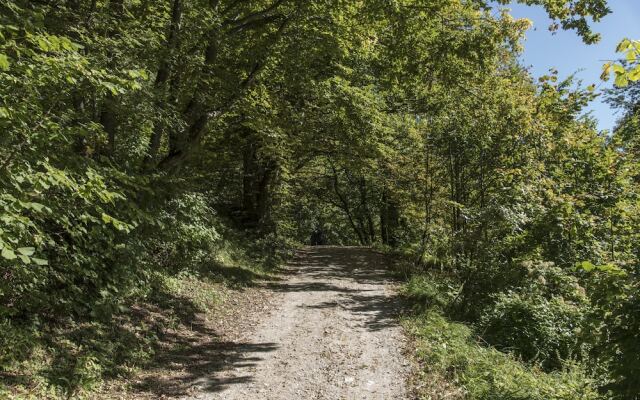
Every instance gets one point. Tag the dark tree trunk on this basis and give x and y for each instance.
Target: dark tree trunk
(384, 220)
(108, 117)
(345, 206)
(258, 179)
(248, 180)
(384, 234)
(109, 123)
(162, 76)
(364, 203)
(389, 220)
(264, 195)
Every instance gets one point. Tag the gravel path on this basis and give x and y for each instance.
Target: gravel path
(333, 335)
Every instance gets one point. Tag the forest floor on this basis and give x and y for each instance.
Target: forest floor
(326, 328)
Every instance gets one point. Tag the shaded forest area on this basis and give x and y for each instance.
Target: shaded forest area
(149, 149)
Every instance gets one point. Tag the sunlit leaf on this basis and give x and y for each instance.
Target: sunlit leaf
(27, 251)
(4, 62)
(8, 254)
(634, 74)
(623, 45)
(39, 261)
(622, 80)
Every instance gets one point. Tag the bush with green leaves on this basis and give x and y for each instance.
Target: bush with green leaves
(451, 351)
(430, 292)
(533, 309)
(623, 344)
(540, 330)
(614, 325)
(64, 241)
(187, 235)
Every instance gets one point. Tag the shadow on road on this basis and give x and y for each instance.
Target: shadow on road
(358, 275)
(194, 361)
(346, 270)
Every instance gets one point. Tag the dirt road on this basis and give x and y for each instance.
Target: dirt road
(332, 335)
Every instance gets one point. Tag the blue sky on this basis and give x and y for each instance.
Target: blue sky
(565, 51)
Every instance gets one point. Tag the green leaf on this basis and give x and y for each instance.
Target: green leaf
(40, 261)
(43, 44)
(634, 74)
(622, 46)
(107, 219)
(27, 251)
(612, 269)
(35, 206)
(632, 56)
(586, 266)
(622, 80)
(117, 224)
(618, 69)
(606, 71)
(4, 62)
(8, 254)
(24, 258)
(112, 88)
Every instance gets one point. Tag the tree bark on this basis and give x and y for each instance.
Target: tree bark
(108, 117)
(345, 206)
(109, 122)
(162, 76)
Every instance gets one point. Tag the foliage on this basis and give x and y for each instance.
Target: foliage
(153, 149)
(188, 233)
(535, 328)
(627, 70)
(450, 349)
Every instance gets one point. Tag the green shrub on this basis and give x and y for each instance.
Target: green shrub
(188, 235)
(450, 350)
(425, 292)
(66, 244)
(614, 328)
(534, 327)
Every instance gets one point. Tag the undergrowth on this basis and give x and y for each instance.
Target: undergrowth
(457, 362)
(75, 357)
(452, 352)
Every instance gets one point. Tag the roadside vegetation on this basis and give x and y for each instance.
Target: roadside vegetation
(155, 154)
(500, 355)
(76, 353)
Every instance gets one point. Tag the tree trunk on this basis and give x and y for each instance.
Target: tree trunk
(345, 206)
(370, 228)
(264, 195)
(389, 216)
(109, 123)
(248, 180)
(108, 117)
(162, 76)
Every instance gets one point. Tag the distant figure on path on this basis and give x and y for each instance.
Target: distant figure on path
(318, 238)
